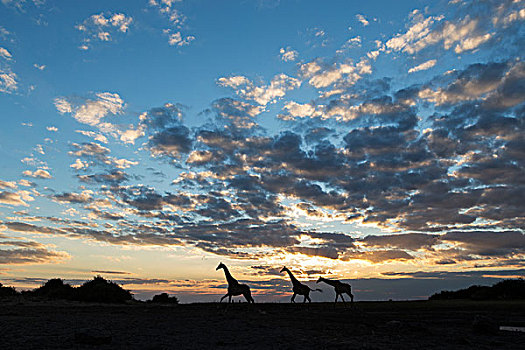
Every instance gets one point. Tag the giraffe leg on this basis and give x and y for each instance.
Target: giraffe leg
(293, 297)
(336, 296)
(223, 298)
(307, 297)
(343, 299)
(248, 298)
(351, 297)
(230, 300)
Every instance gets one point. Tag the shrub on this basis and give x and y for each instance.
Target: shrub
(55, 289)
(7, 291)
(101, 290)
(164, 298)
(504, 290)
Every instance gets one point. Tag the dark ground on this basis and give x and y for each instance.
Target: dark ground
(368, 325)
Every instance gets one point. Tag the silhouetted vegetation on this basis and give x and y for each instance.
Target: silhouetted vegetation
(97, 290)
(164, 298)
(504, 290)
(7, 291)
(103, 291)
(54, 289)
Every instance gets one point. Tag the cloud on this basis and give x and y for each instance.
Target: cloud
(471, 25)
(8, 81)
(261, 94)
(70, 197)
(176, 19)
(13, 198)
(92, 111)
(362, 20)
(423, 66)
(31, 256)
(322, 75)
(39, 173)
(8, 184)
(98, 27)
(287, 54)
(176, 39)
(5, 54)
(94, 135)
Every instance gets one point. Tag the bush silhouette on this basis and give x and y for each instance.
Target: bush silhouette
(164, 298)
(55, 289)
(101, 290)
(504, 290)
(7, 291)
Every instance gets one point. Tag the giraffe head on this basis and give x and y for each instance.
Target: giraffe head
(284, 269)
(320, 280)
(221, 266)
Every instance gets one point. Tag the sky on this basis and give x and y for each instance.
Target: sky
(379, 142)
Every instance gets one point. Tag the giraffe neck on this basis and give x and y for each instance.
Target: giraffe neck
(330, 282)
(292, 277)
(229, 277)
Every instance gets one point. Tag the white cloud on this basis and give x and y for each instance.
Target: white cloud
(166, 7)
(131, 134)
(39, 66)
(122, 163)
(18, 198)
(8, 82)
(52, 128)
(262, 94)
(94, 135)
(100, 27)
(288, 54)
(423, 66)
(92, 111)
(39, 173)
(7, 184)
(471, 43)
(324, 75)
(413, 39)
(175, 39)
(362, 19)
(297, 110)
(4, 53)
(120, 21)
(176, 18)
(62, 105)
(79, 164)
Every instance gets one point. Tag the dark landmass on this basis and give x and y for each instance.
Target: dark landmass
(451, 324)
(97, 290)
(504, 290)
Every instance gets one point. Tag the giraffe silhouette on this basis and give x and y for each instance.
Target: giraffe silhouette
(299, 288)
(340, 288)
(234, 287)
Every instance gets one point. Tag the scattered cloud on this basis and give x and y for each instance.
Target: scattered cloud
(260, 93)
(362, 20)
(101, 27)
(287, 54)
(39, 173)
(423, 66)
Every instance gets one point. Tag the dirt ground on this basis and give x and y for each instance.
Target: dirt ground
(367, 325)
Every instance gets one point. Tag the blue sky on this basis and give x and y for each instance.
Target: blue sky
(370, 141)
